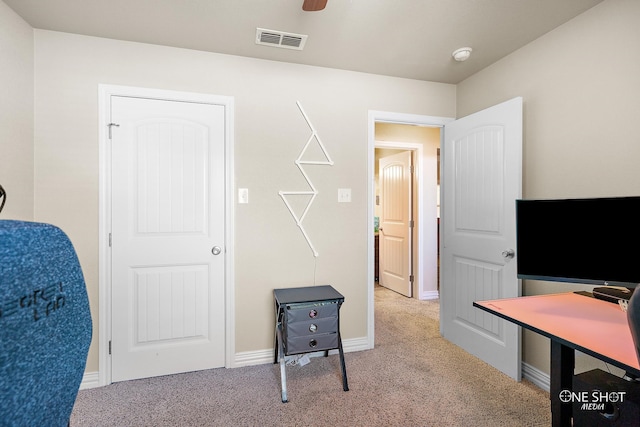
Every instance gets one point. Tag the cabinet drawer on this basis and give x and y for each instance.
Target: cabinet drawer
(312, 327)
(308, 344)
(301, 312)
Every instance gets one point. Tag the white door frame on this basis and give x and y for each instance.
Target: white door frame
(104, 213)
(398, 118)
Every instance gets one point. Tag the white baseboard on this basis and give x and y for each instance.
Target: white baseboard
(260, 357)
(536, 376)
(248, 358)
(251, 358)
(428, 295)
(90, 380)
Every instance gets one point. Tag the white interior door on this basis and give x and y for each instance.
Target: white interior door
(168, 240)
(395, 237)
(482, 178)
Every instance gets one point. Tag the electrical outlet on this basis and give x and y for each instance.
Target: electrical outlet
(344, 195)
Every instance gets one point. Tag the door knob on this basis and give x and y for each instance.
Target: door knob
(216, 250)
(508, 253)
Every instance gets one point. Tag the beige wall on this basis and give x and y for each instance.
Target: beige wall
(581, 107)
(579, 83)
(16, 114)
(269, 135)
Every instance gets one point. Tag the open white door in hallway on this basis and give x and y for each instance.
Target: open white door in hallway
(168, 237)
(482, 179)
(395, 216)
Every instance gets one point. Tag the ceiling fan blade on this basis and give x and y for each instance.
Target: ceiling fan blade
(313, 5)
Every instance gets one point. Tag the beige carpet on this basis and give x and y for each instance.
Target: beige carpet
(413, 377)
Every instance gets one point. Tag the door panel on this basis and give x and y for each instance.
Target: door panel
(395, 238)
(482, 179)
(170, 303)
(171, 163)
(168, 183)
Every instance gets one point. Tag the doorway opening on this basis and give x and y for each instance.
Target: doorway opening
(419, 146)
(385, 130)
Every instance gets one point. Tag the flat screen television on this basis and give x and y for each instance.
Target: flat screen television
(592, 241)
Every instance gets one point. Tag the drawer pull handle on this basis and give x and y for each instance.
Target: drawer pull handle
(313, 343)
(313, 327)
(313, 314)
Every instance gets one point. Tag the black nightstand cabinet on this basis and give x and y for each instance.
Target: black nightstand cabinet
(307, 320)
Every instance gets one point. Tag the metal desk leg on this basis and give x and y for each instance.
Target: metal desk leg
(562, 367)
(283, 372)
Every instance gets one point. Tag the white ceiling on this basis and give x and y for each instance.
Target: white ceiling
(402, 38)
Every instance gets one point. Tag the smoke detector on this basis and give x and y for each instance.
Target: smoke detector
(462, 54)
(280, 39)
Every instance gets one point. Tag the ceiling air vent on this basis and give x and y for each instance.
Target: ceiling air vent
(280, 39)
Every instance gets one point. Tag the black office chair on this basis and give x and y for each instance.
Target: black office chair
(633, 317)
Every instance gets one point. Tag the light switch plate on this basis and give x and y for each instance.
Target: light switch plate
(243, 195)
(344, 195)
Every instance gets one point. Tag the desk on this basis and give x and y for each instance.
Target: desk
(307, 320)
(572, 322)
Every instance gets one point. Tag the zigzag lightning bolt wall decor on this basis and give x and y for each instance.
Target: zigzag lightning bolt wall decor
(313, 192)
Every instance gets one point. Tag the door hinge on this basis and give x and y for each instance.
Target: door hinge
(411, 169)
(411, 278)
(110, 125)
(109, 239)
(109, 346)
(411, 224)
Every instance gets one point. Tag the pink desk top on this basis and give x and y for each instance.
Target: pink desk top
(586, 323)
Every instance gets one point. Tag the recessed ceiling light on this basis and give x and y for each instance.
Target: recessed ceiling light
(462, 54)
